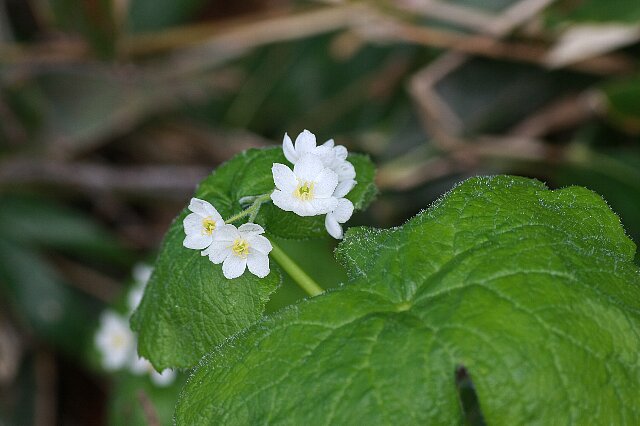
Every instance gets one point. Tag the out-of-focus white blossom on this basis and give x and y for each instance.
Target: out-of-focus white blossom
(114, 340)
(140, 366)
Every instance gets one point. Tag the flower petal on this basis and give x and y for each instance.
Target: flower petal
(308, 167)
(258, 264)
(261, 244)
(192, 224)
(333, 227)
(201, 207)
(197, 242)
(234, 266)
(345, 171)
(218, 251)
(343, 210)
(226, 232)
(340, 153)
(289, 150)
(323, 205)
(163, 379)
(283, 177)
(249, 230)
(305, 143)
(344, 188)
(305, 209)
(325, 184)
(330, 143)
(283, 200)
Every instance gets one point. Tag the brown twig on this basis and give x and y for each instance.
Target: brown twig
(88, 280)
(148, 408)
(45, 395)
(92, 178)
(561, 114)
(491, 47)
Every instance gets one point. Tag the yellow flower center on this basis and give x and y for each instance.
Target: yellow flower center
(117, 340)
(304, 191)
(240, 248)
(208, 225)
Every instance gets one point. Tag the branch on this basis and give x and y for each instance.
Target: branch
(91, 178)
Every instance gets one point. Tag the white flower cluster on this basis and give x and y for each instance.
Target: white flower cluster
(116, 342)
(236, 248)
(317, 185)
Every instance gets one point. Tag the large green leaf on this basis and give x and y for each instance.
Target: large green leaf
(534, 292)
(189, 306)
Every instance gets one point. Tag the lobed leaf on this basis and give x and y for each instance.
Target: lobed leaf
(534, 292)
(188, 306)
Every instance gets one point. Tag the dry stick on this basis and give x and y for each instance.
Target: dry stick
(493, 48)
(466, 17)
(201, 45)
(44, 409)
(438, 118)
(562, 114)
(416, 171)
(161, 181)
(150, 412)
(237, 41)
(88, 280)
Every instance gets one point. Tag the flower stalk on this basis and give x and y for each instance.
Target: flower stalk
(295, 272)
(252, 210)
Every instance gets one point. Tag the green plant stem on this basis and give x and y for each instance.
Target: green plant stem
(252, 210)
(299, 276)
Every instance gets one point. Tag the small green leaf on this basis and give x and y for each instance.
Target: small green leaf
(189, 306)
(534, 292)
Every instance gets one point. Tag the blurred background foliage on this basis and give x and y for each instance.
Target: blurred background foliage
(112, 110)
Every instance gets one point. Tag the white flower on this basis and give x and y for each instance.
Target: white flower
(239, 248)
(163, 379)
(305, 144)
(141, 274)
(200, 226)
(139, 366)
(340, 214)
(307, 190)
(332, 157)
(114, 340)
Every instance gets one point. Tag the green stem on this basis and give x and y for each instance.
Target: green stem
(252, 210)
(299, 276)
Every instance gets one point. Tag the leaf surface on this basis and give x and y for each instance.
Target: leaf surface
(534, 292)
(189, 306)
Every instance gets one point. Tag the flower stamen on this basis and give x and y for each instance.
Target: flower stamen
(208, 225)
(240, 248)
(304, 191)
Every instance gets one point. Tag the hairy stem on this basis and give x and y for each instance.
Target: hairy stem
(252, 210)
(299, 276)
